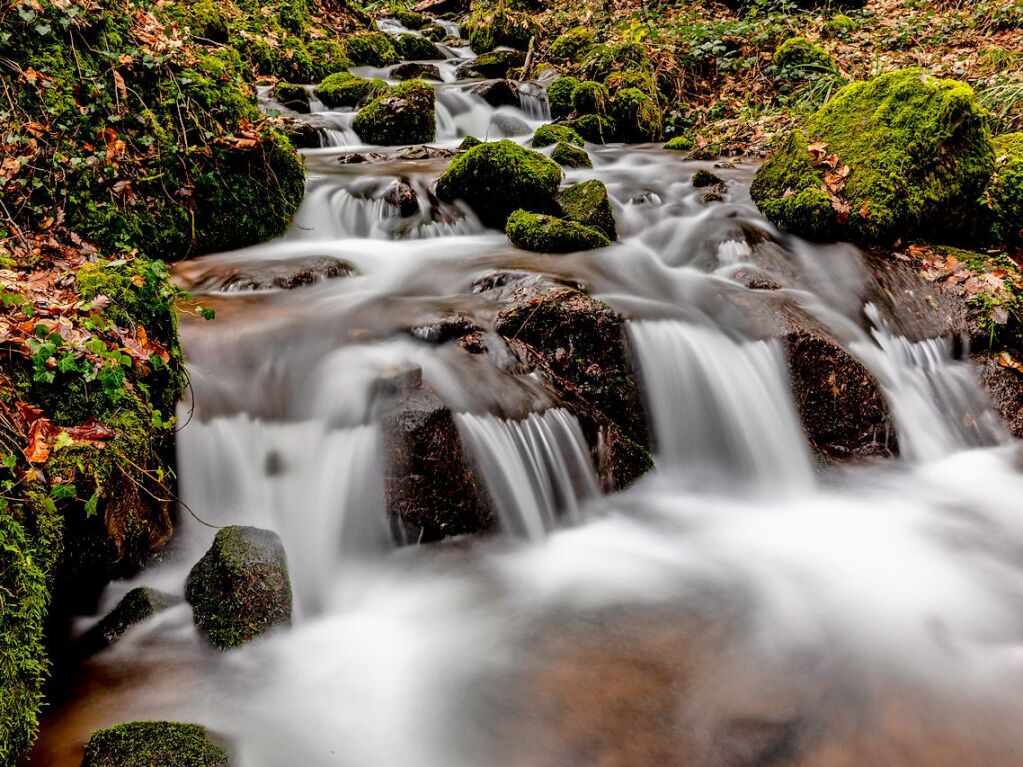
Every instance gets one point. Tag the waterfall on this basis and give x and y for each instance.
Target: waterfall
(721, 409)
(537, 470)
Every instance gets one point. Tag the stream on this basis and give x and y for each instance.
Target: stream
(739, 605)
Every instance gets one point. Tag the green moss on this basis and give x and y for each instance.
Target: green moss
(547, 234)
(495, 64)
(1003, 200)
(559, 96)
(292, 96)
(468, 143)
(573, 45)
(145, 744)
(605, 60)
(797, 58)
(433, 32)
(371, 49)
(329, 56)
(637, 117)
(499, 177)
(551, 134)
(346, 90)
(640, 79)
(703, 178)
(591, 98)
(489, 27)
(681, 143)
(403, 114)
(839, 26)
(409, 19)
(414, 48)
(588, 203)
(918, 151)
(569, 156)
(597, 129)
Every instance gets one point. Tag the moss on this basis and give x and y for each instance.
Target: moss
(209, 21)
(499, 177)
(637, 117)
(551, 134)
(639, 79)
(410, 19)
(144, 744)
(495, 64)
(468, 143)
(547, 234)
(590, 98)
(489, 28)
(597, 129)
(587, 203)
(605, 60)
(569, 156)
(559, 96)
(839, 26)
(329, 56)
(371, 49)
(681, 143)
(403, 114)
(703, 178)
(797, 58)
(414, 47)
(347, 90)
(918, 150)
(433, 32)
(573, 45)
(294, 97)
(1003, 200)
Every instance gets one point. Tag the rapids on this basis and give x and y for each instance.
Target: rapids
(740, 605)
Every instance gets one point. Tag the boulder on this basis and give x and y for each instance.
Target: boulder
(433, 32)
(573, 45)
(294, 97)
(498, 93)
(551, 134)
(137, 606)
(559, 96)
(403, 197)
(403, 114)
(587, 203)
(413, 70)
(147, 744)
(597, 129)
(496, 65)
(240, 589)
(1002, 203)
(569, 156)
(548, 234)
(415, 47)
(591, 98)
(499, 177)
(897, 156)
(410, 19)
(508, 126)
(636, 116)
(347, 90)
(489, 28)
(371, 49)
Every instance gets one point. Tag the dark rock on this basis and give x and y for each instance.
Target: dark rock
(411, 70)
(507, 126)
(357, 158)
(285, 274)
(495, 64)
(147, 744)
(240, 588)
(403, 197)
(499, 93)
(1004, 385)
(454, 327)
(137, 606)
(422, 152)
(305, 134)
(442, 7)
(703, 178)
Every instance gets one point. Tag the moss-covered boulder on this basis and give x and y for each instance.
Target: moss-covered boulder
(493, 27)
(294, 97)
(640, 79)
(147, 744)
(604, 60)
(839, 26)
(137, 606)
(500, 177)
(798, 59)
(410, 19)
(548, 234)
(495, 64)
(637, 117)
(371, 49)
(682, 143)
(433, 32)
(551, 133)
(1003, 200)
(240, 588)
(346, 90)
(559, 96)
(591, 98)
(415, 47)
(570, 156)
(597, 129)
(900, 155)
(573, 45)
(416, 70)
(587, 203)
(468, 143)
(403, 114)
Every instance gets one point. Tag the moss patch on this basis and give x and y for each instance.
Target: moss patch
(492, 27)
(573, 45)
(548, 234)
(414, 47)
(145, 744)
(551, 134)
(403, 114)
(346, 90)
(1003, 200)
(637, 116)
(371, 49)
(570, 156)
(587, 203)
(559, 96)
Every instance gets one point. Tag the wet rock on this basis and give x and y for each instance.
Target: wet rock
(499, 93)
(450, 328)
(843, 411)
(422, 153)
(240, 589)
(403, 197)
(432, 491)
(412, 70)
(569, 156)
(494, 65)
(305, 134)
(553, 133)
(587, 203)
(416, 47)
(137, 606)
(293, 97)
(508, 126)
(704, 178)
(146, 744)
(442, 7)
(403, 114)
(1004, 385)
(549, 234)
(285, 274)
(357, 158)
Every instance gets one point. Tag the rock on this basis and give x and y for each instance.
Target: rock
(412, 70)
(569, 156)
(496, 64)
(137, 606)
(551, 134)
(839, 27)
(240, 588)
(422, 153)
(294, 97)
(799, 59)
(499, 93)
(410, 19)
(547, 234)
(573, 45)
(432, 491)
(640, 79)
(442, 7)
(489, 28)
(1002, 203)
(508, 126)
(347, 90)
(682, 143)
(403, 114)
(1004, 386)
(499, 177)
(702, 178)
(844, 414)
(637, 117)
(415, 47)
(559, 96)
(371, 49)
(403, 197)
(433, 32)
(147, 744)
(591, 98)
(918, 153)
(587, 203)
(305, 134)
(597, 129)
(281, 274)
(468, 143)
(357, 158)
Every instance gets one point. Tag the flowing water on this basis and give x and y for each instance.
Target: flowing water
(740, 605)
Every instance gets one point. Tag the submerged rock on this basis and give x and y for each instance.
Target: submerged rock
(548, 234)
(403, 114)
(283, 274)
(240, 589)
(137, 606)
(508, 126)
(148, 744)
(587, 203)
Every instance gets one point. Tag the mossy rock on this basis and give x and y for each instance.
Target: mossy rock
(495, 64)
(371, 49)
(547, 234)
(597, 129)
(569, 156)
(415, 47)
(605, 60)
(840, 26)
(403, 114)
(574, 44)
(799, 59)
(240, 588)
(591, 98)
(587, 203)
(294, 97)
(681, 143)
(414, 70)
(410, 19)
(639, 79)
(488, 28)
(146, 744)
(559, 96)
(919, 155)
(703, 178)
(468, 143)
(346, 90)
(637, 116)
(551, 134)
(137, 606)
(433, 32)
(1003, 200)
(500, 177)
